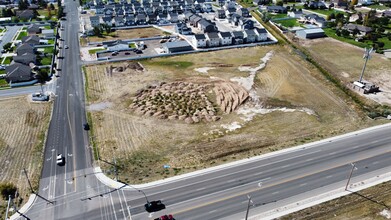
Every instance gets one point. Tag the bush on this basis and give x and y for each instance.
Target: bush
(7, 189)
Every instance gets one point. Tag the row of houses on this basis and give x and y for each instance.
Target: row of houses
(216, 39)
(23, 66)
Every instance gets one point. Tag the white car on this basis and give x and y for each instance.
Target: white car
(60, 159)
(66, 47)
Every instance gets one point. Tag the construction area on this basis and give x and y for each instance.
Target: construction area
(179, 114)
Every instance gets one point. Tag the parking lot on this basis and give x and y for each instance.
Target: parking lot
(152, 47)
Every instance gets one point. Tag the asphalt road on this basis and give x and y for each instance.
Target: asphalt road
(9, 35)
(73, 192)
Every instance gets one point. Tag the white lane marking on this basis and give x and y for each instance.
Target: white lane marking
(232, 180)
(329, 176)
(49, 159)
(70, 155)
(265, 179)
(213, 211)
(332, 153)
(276, 192)
(127, 206)
(303, 184)
(45, 188)
(200, 189)
(122, 207)
(309, 159)
(285, 166)
(112, 204)
(376, 162)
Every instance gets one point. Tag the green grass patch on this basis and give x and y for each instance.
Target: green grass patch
(21, 35)
(7, 60)
(47, 27)
(173, 64)
(326, 11)
(51, 41)
(48, 49)
(132, 45)
(277, 16)
(288, 23)
(387, 43)
(3, 83)
(46, 60)
(380, 7)
(44, 12)
(331, 33)
(93, 51)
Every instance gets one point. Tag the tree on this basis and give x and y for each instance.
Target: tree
(355, 32)
(51, 6)
(35, 13)
(380, 44)
(353, 2)
(7, 46)
(97, 31)
(338, 32)
(7, 189)
(42, 76)
(345, 33)
(280, 3)
(331, 16)
(23, 5)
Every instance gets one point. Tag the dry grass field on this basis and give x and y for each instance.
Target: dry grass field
(23, 126)
(346, 62)
(290, 103)
(129, 34)
(364, 205)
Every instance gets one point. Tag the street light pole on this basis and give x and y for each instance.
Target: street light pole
(248, 205)
(350, 175)
(8, 207)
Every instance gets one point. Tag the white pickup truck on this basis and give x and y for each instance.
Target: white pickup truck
(60, 159)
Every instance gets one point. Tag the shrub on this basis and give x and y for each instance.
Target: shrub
(7, 189)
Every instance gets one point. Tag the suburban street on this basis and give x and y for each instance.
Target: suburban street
(72, 191)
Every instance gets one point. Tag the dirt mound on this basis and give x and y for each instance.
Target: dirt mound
(109, 70)
(229, 95)
(177, 100)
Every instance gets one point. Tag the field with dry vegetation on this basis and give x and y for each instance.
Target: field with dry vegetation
(128, 34)
(346, 61)
(22, 133)
(288, 103)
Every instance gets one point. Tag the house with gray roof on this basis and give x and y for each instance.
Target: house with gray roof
(363, 30)
(276, 9)
(119, 21)
(177, 46)
(261, 34)
(250, 36)
(25, 14)
(243, 12)
(225, 38)
(313, 19)
(141, 19)
(237, 37)
(198, 40)
(32, 40)
(95, 21)
(33, 29)
(47, 33)
(206, 26)
(25, 58)
(212, 39)
(24, 48)
(220, 14)
(18, 72)
(107, 20)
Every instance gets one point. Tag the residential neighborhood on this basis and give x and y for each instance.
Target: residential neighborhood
(195, 109)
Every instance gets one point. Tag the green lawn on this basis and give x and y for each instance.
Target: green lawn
(21, 35)
(331, 33)
(46, 60)
(276, 16)
(132, 45)
(7, 60)
(3, 83)
(326, 11)
(387, 43)
(288, 23)
(48, 49)
(44, 12)
(51, 41)
(93, 51)
(380, 7)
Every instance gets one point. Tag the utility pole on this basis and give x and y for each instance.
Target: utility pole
(248, 205)
(350, 175)
(28, 180)
(8, 207)
(115, 169)
(366, 56)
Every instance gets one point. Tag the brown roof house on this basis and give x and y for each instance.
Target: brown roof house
(18, 72)
(24, 48)
(32, 40)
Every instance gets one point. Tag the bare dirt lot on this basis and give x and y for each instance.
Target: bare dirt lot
(23, 126)
(129, 34)
(289, 103)
(346, 62)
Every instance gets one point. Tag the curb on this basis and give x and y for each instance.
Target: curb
(25, 207)
(114, 184)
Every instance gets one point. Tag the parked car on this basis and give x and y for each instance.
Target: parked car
(39, 97)
(127, 53)
(66, 47)
(60, 159)
(86, 126)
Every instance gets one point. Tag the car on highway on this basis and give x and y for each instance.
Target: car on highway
(138, 51)
(127, 53)
(66, 47)
(166, 217)
(154, 206)
(60, 160)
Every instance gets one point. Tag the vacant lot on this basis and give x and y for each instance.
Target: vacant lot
(129, 34)
(366, 204)
(345, 62)
(23, 126)
(287, 106)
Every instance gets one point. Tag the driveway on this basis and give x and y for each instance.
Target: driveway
(9, 35)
